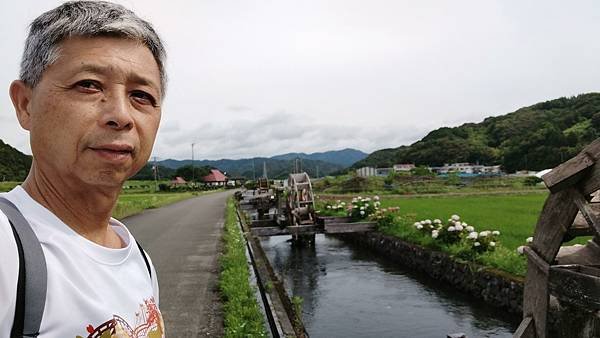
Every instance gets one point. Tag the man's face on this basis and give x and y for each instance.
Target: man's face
(94, 115)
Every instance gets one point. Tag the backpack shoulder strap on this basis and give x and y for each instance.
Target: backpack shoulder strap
(31, 285)
(145, 258)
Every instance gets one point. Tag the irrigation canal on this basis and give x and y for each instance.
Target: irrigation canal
(350, 292)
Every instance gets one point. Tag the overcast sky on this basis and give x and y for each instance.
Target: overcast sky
(260, 78)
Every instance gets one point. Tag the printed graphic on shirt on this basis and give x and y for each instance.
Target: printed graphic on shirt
(148, 323)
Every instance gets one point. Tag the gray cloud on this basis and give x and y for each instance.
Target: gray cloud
(276, 134)
(350, 73)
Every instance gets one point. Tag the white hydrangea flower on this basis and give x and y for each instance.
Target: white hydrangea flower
(472, 235)
(435, 234)
(437, 221)
(366, 205)
(343, 203)
(329, 207)
(470, 228)
(484, 233)
(464, 224)
(521, 249)
(362, 208)
(455, 217)
(476, 244)
(376, 198)
(529, 239)
(496, 233)
(420, 226)
(492, 244)
(354, 200)
(459, 227)
(359, 198)
(451, 228)
(417, 224)
(362, 213)
(427, 221)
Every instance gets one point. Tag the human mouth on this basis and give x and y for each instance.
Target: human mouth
(113, 152)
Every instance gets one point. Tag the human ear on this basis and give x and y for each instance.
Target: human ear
(20, 94)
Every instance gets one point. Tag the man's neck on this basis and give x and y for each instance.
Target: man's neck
(86, 210)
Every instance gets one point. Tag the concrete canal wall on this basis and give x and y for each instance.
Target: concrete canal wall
(494, 287)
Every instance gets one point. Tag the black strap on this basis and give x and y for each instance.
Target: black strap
(145, 258)
(32, 279)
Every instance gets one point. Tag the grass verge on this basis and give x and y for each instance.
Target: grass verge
(242, 314)
(130, 204)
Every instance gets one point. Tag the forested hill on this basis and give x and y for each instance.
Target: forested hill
(14, 165)
(534, 138)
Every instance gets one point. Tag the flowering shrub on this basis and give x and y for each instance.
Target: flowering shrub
(521, 248)
(460, 233)
(333, 209)
(362, 208)
(385, 217)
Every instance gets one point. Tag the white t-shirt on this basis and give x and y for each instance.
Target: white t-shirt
(91, 289)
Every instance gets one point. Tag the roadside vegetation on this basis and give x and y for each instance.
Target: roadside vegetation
(505, 220)
(242, 314)
(136, 196)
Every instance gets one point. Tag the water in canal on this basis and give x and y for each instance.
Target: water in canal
(351, 292)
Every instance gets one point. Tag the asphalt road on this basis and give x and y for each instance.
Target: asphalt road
(184, 242)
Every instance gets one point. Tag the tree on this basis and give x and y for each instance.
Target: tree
(197, 174)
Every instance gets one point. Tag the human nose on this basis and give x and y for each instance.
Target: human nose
(117, 112)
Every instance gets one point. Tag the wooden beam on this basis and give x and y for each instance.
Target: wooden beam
(556, 218)
(340, 228)
(539, 263)
(573, 170)
(526, 329)
(535, 298)
(578, 285)
(587, 211)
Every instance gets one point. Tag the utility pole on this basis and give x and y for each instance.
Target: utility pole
(193, 175)
(155, 175)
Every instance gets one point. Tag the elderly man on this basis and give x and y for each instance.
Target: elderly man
(90, 91)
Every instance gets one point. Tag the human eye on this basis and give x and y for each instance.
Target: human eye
(143, 98)
(88, 86)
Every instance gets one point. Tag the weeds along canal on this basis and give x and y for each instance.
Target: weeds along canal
(350, 292)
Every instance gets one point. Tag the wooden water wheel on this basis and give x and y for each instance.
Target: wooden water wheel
(300, 199)
(567, 277)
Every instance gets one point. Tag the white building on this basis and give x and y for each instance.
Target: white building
(403, 167)
(366, 172)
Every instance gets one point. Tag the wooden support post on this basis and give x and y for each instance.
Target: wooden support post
(557, 216)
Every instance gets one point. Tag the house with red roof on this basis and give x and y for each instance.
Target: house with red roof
(178, 181)
(215, 178)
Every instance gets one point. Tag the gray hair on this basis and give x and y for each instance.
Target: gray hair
(89, 19)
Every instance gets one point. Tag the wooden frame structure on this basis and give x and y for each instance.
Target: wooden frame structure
(301, 200)
(567, 213)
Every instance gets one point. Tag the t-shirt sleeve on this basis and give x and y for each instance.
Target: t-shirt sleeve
(9, 272)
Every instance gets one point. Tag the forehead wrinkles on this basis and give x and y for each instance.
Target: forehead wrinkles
(93, 60)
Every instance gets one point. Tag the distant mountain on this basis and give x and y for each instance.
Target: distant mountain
(536, 137)
(14, 165)
(253, 167)
(345, 157)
